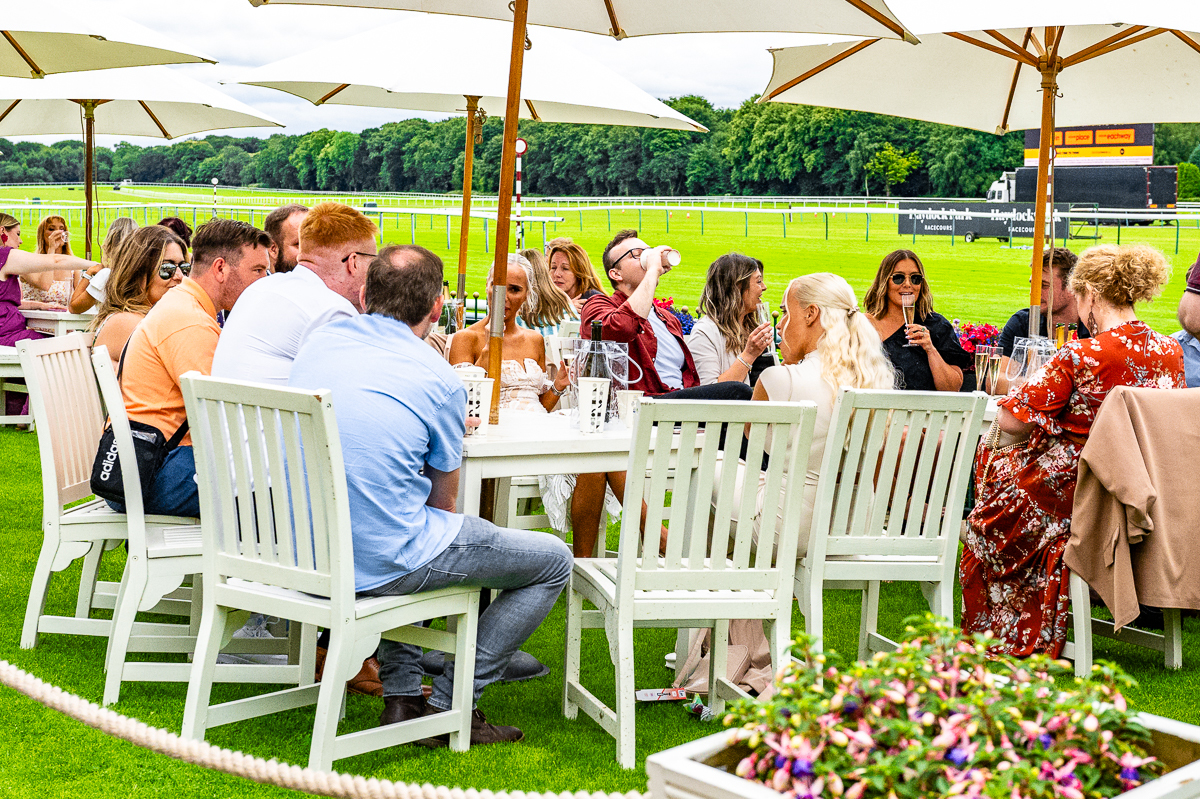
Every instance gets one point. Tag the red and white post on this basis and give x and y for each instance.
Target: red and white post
(521, 147)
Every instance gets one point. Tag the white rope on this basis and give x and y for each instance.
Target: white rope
(201, 753)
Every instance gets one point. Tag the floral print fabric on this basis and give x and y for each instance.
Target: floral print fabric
(1013, 578)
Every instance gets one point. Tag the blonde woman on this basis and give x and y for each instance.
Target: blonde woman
(726, 341)
(146, 266)
(89, 289)
(50, 290)
(551, 305)
(828, 342)
(1014, 582)
(572, 271)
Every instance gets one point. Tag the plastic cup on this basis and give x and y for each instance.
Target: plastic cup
(593, 403)
(628, 403)
(479, 401)
(669, 256)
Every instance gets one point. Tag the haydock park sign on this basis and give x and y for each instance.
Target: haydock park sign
(970, 220)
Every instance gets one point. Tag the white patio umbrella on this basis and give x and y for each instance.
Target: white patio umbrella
(620, 19)
(560, 84)
(1024, 64)
(72, 36)
(138, 101)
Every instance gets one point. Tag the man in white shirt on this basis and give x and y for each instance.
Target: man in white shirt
(261, 340)
(259, 343)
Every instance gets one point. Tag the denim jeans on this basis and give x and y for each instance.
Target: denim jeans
(174, 492)
(529, 568)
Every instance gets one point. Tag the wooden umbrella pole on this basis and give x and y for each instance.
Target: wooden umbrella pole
(1049, 70)
(508, 165)
(89, 146)
(465, 229)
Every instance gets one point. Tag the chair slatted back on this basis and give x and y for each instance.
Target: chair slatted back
(273, 500)
(686, 436)
(895, 473)
(67, 412)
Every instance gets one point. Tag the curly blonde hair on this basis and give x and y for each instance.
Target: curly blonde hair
(1121, 275)
(553, 305)
(850, 351)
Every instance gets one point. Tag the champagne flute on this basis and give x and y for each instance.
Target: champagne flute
(994, 356)
(762, 314)
(981, 360)
(907, 301)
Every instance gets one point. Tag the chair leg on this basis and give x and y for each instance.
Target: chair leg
(779, 638)
(204, 665)
(1081, 613)
(329, 702)
(129, 596)
(573, 635)
(463, 699)
(87, 580)
(869, 618)
(814, 618)
(1172, 638)
(37, 593)
(626, 739)
(718, 666)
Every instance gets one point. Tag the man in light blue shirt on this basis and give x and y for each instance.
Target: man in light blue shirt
(401, 414)
(1191, 357)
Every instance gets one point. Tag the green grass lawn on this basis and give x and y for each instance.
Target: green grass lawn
(44, 754)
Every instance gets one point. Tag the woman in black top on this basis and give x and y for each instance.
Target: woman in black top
(936, 361)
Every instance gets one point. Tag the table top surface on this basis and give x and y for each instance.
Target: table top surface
(58, 316)
(526, 433)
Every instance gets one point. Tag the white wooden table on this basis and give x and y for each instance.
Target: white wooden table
(57, 323)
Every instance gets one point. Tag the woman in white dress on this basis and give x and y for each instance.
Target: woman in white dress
(827, 343)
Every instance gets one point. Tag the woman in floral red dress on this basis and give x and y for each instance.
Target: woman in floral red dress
(1013, 578)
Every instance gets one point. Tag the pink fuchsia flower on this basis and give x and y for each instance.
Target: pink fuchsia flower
(855, 791)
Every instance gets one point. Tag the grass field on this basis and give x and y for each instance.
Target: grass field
(43, 754)
(981, 282)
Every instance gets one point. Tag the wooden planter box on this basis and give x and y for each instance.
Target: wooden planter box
(703, 769)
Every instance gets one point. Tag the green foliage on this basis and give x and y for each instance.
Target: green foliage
(756, 149)
(892, 165)
(1189, 180)
(1175, 142)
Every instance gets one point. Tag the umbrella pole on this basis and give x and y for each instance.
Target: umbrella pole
(1046, 137)
(465, 230)
(89, 146)
(512, 108)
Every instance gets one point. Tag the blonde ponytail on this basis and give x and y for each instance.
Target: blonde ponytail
(850, 351)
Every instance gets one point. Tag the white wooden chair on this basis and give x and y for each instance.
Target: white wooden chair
(697, 583)
(10, 369)
(889, 502)
(162, 555)
(1169, 641)
(276, 527)
(66, 405)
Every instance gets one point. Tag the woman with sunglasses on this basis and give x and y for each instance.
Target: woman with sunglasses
(148, 263)
(926, 352)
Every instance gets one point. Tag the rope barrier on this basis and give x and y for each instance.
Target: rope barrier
(201, 753)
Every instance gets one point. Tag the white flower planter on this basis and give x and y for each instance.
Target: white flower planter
(683, 772)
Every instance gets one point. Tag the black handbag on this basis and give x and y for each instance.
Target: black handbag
(150, 448)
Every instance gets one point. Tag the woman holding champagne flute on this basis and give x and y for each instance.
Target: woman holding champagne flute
(730, 336)
(920, 343)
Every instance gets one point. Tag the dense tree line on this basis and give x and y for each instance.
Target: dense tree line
(767, 148)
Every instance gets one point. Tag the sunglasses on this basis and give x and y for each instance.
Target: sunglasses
(898, 279)
(166, 270)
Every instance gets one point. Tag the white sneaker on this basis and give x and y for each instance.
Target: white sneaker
(256, 627)
(669, 661)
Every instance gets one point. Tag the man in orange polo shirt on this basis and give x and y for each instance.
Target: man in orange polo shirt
(179, 335)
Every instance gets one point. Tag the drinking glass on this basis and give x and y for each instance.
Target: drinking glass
(1017, 371)
(981, 362)
(994, 356)
(762, 314)
(907, 301)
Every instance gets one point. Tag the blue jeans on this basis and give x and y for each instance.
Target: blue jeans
(174, 492)
(529, 568)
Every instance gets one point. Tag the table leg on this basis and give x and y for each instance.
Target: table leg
(469, 484)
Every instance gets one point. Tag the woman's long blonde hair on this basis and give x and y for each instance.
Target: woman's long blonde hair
(43, 246)
(850, 350)
(721, 298)
(134, 265)
(553, 305)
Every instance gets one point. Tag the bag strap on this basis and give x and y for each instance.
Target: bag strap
(173, 442)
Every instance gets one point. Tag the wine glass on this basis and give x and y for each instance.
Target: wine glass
(762, 314)
(1017, 370)
(995, 354)
(907, 301)
(981, 360)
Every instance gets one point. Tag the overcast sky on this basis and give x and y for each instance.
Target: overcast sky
(726, 68)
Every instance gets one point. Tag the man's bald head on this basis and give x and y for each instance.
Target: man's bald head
(404, 282)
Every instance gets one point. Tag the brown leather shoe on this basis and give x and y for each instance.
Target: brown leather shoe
(366, 682)
(481, 731)
(401, 708)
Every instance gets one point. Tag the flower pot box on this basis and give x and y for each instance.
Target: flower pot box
(704, 767)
